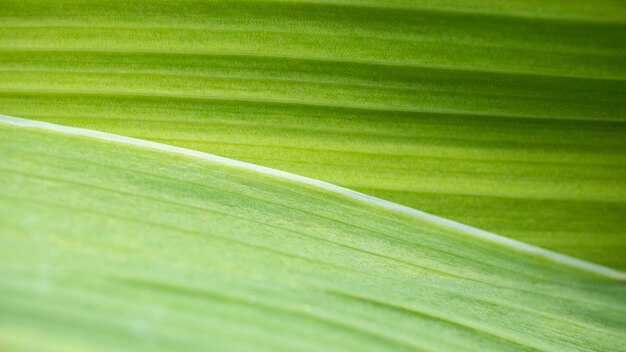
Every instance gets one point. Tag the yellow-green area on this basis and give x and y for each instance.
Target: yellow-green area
(505, 115)
(112, 247)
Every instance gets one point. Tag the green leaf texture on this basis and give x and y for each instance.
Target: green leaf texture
(113, 247)
(506, 115)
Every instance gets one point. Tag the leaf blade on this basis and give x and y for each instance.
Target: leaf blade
(117, 228)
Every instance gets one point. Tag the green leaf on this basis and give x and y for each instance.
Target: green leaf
(506, 115)
(110, 246)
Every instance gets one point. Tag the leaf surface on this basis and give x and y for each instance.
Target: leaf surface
(508, 116)
(108, 246)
